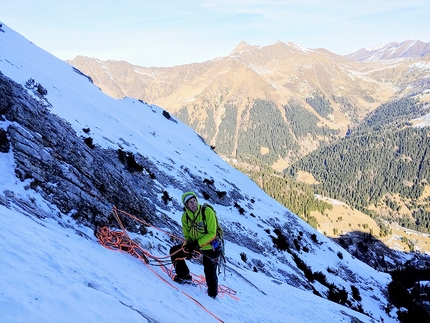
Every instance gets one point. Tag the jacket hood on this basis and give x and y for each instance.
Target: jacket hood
(186, 196)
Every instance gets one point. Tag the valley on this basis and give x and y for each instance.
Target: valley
(285, 106)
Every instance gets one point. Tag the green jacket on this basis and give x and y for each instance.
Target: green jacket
(193, 227)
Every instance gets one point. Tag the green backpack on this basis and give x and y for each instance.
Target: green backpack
(220, 236)
(219, 231)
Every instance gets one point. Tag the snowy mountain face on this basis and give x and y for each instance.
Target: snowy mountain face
(69, 153)
(406, 49)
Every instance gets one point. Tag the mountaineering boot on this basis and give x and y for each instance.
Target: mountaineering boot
(183, 280)
(213, 295)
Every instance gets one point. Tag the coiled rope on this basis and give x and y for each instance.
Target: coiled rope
(121, 241)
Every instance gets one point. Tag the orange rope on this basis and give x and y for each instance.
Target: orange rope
(115, 211)
(121, 241)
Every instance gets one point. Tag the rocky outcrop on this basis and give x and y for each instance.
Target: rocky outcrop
(80, 179)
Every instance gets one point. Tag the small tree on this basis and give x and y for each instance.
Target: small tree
(243, 257)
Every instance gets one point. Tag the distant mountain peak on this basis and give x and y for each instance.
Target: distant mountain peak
(404, 50)
(377, 47)
(243, 45)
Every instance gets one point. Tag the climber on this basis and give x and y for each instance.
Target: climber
(200, 233)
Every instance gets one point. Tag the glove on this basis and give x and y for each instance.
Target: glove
(191, 246)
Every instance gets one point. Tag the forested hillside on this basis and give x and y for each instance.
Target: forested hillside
(265, 131)
(298, 197)
(383, 161)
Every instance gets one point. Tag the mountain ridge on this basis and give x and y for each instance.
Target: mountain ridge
(200, 94)
(408, 49)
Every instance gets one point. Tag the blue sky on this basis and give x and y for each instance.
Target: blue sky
(171, 32)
